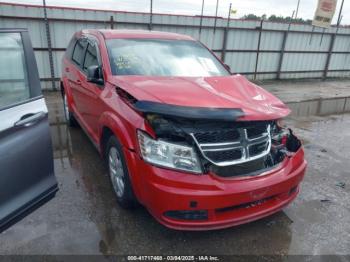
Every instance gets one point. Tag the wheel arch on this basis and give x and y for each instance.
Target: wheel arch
(65, 90)
(110, 124)
(113, 126)
(61, 88)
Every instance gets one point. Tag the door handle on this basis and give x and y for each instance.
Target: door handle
(78, 82)
(30, 119)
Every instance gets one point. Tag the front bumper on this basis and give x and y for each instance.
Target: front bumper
(228, 201)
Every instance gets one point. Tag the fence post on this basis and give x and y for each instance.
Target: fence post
(280, 62)
(224, 44)
(49, 47)
(201, 21)
(150, 16)
(111, 21)
(216, 15)
(258, 48)
(330, 51)
(283, 47)
(226, 30)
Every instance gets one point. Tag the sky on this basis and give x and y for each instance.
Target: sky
(193, 7)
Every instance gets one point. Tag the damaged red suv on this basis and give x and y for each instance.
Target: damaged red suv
(199, 147)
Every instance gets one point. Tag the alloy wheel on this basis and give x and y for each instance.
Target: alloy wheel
(116, 171)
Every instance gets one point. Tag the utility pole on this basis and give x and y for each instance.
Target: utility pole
(151, 15)
(49, 47)
(224, 45)
(201, 21)
(284, 41)
(215, 21)
(229, 15)
(330, 50)
(297, 10)
(340, 13)
(216, 14)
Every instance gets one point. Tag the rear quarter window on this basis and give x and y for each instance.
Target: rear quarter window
(70, 48)
(78, 52)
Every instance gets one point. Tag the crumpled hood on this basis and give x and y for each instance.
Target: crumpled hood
(210, 92)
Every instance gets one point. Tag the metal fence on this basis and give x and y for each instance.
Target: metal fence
(259, 50)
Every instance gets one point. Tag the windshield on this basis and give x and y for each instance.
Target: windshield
(155, 57)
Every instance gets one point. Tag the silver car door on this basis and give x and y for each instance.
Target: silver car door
(27, 177)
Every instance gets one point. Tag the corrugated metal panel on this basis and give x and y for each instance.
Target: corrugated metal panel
(242, 39)
(339, 62)
(271, 41)
(241, 62)
(268, 62)
(342, 44)
(307, 42)
(301, 75)
(303, 62)
(61, 32)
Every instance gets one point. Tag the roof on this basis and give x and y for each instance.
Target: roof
(110, 34)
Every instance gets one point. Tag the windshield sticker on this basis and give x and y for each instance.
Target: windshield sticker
(208, 64)
(125, 61)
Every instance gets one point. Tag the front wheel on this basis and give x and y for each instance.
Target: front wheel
(119, 175)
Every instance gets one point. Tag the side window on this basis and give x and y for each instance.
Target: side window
(90, 56)
(14, 84)
(70, 48)
(78, 52)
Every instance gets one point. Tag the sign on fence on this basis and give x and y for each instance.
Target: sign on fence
(324, 13)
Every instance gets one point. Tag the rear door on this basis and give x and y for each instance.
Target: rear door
(26, 159)
(77, 76)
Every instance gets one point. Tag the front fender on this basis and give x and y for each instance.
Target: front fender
(126, 134)
(120, 128)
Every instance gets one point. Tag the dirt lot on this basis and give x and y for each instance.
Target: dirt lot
(85, 219)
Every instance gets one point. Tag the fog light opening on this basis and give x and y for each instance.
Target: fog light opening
(293, 190)
(187, 214)
(193, 204)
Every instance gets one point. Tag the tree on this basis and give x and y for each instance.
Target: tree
(251, 17)
(274, 18)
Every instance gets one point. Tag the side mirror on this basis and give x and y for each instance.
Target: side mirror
(94, 75)
(228, 68)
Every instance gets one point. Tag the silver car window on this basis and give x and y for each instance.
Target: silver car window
(14, 84)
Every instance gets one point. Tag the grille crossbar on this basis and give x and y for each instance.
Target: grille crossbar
(243, 147)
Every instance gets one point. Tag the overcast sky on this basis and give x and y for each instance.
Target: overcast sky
(193, 7)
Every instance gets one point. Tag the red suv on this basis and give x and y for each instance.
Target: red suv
(199, 147)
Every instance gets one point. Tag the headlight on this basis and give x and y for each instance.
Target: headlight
(167, 154)
(279, 132)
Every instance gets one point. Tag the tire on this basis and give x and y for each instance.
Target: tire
(119, 175)
(69, 117)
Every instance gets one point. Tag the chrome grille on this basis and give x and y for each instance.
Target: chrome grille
(234, 146)
(217, 136)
